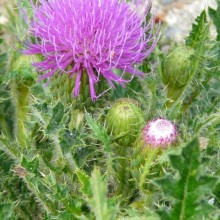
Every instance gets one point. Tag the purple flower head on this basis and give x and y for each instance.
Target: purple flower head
(90, 36)
(160, 133)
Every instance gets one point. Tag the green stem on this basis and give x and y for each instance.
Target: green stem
(122, 172)
(152, 153)
(21, 95)
(4, 127)
(173, 95)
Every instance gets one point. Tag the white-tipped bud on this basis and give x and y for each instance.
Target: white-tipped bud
(160, 133)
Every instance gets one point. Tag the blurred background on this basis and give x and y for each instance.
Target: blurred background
(177, 15)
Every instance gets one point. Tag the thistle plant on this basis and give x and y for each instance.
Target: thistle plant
(69, 152)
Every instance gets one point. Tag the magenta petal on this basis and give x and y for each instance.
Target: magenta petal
(51, 73)
(77, 83)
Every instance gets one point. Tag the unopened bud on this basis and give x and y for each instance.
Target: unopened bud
(124, 121)
(176, 67)
(160, 133)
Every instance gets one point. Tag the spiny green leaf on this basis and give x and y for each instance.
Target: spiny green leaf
(100, 203)
(85, 183)
(67, 141)
(57, 116)
(169, 189)
(188, 187)
(9, 147)
(215, 15)
(6, 211)
(216, 192)
(198, 30)
(32, 166)
(5, 163)
(98, 132)
(43, 192)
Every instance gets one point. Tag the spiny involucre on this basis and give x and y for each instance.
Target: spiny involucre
(90, 36)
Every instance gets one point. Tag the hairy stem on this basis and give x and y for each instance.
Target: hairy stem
(173, 95)
(152, 153)
(20, 94)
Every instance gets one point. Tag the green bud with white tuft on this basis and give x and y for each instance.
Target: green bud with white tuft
(124, 121)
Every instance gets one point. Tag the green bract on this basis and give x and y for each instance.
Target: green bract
(61, 87)
(124, 121)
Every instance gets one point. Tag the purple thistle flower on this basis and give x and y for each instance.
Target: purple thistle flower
(160, 133)
(93, 37)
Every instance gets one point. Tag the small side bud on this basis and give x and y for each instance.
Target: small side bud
(176, 71)
(160, 133)
(176, 67)
(157, 135)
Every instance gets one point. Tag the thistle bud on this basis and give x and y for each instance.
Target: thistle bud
(124, 121)
(176, 67)
(159, 133)
(176, 71)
